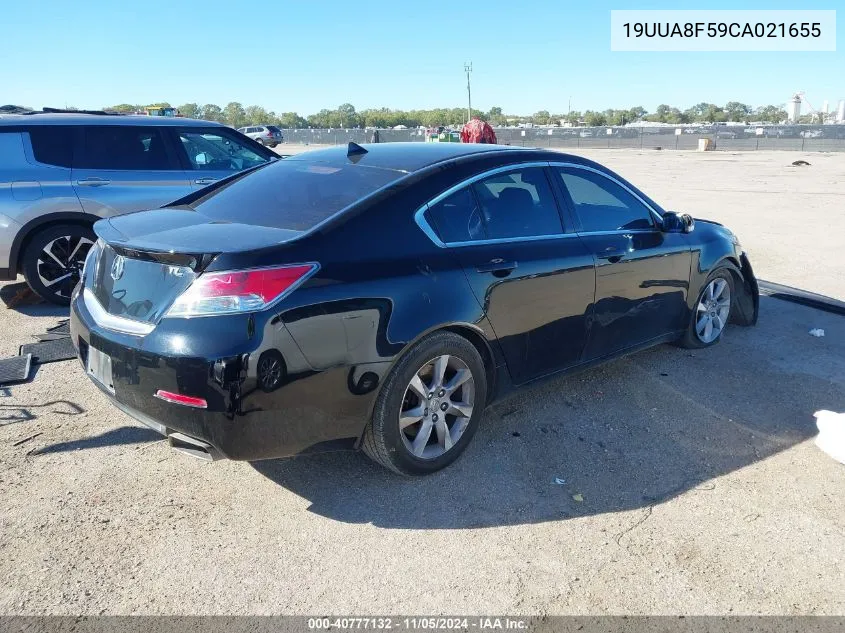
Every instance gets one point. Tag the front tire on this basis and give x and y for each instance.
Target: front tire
(429, 406)
(53, 259)
(712, 311)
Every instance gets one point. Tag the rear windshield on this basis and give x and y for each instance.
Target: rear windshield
(293, 194)
(273, 128)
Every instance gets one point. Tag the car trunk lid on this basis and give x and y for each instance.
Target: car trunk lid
(146, 260)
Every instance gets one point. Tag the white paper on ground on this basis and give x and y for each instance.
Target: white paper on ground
(831, 437)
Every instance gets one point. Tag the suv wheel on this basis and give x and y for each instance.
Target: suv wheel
(53, 259)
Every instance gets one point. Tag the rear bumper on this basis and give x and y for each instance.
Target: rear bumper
(243, 420)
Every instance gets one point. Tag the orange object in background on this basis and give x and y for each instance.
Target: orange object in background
(478, 131)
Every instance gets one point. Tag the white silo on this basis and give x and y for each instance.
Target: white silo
(840, 112)
(793, 109)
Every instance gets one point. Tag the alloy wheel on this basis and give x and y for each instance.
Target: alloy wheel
(437, 407)
(60, 263)
(713, 310)
(269, 372)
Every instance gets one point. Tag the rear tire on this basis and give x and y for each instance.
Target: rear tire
(53, 259)
(414, 433)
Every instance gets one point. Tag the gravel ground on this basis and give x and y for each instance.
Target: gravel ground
(690, 485)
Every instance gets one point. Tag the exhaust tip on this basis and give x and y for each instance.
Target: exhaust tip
(193, 447)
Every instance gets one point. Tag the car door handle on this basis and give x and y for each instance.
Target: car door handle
(92, 182)
(499, 267)
(205, 181)
(611, 254)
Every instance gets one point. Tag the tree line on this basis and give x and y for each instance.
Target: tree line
(346, 116)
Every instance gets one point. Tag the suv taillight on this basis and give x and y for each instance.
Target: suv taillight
(236, 291)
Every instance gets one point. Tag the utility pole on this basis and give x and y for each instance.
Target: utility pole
(468, 70)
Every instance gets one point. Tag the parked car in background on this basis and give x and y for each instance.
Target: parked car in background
(382, 296)
(268, 135)
(61, 172)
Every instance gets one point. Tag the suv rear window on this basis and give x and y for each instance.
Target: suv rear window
(273, 129)
(52, 144)
(293, 194)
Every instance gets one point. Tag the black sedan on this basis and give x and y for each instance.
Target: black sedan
(379, 297)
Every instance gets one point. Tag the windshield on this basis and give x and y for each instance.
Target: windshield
(293, 194)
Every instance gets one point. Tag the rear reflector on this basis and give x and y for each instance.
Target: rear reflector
(236, 291)
(178, 398)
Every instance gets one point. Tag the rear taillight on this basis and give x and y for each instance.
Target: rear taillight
(270, 134)
(236, 291)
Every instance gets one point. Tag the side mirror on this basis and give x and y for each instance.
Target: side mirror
(677, 223)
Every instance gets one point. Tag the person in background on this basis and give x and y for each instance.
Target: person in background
(478, 131)
(375, 138)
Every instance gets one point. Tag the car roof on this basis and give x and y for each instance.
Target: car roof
(61, 118)
(409, 157)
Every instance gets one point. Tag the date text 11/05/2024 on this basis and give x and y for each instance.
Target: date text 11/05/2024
(723, 29)
(417, 623)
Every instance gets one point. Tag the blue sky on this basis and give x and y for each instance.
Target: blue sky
(303, 56)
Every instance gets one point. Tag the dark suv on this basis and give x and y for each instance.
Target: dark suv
(62, 171)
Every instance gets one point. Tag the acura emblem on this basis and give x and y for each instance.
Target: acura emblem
(117, 267)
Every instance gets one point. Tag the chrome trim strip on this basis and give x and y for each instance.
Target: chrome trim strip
(419, 214)
(112, 321)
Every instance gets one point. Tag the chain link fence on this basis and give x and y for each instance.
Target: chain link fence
(820, 138)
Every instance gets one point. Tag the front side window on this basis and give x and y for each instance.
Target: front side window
(457, 217)
(214, 149)
(127, 147)
(518, 203)
(601, 204)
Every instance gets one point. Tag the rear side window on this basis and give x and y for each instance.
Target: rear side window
(518, 203)
(601, 204)
(457, 217)
(126, 147)
(293, 194)
(52, 144)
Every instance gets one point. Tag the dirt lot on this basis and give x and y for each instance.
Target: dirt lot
(702, 491)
